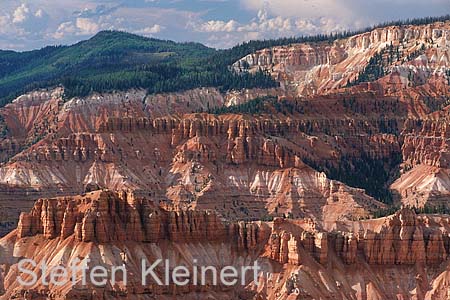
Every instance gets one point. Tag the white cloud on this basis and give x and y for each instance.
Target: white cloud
(263, 26)
(21, 13)
(350, 13)
(150, 30)
(303, 17)
(63, 29)
(5, 24)
(4, 20)
(302, 8)
(39, 13)
(21, 24)
(80, 26)
(218, 26)
(87, 26)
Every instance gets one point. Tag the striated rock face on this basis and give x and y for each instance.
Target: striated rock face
(244, 167)
(105, 217)
(202, 99)
(401, 239)
(249, 166)
(405, 239)
(425, 180)
(398, 250)
(346, 246)
(426, 141)
(317, 68)
(100, 216)
(302, 259)
(116, 228)
(285, 246)
(27, 120)
(132, 140)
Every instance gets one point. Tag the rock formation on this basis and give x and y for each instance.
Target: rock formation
(298, 256)
(105, 217)
(120, 176)
(317, 68)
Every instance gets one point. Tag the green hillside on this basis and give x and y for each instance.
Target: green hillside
(113, 60)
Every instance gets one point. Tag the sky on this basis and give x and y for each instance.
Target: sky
(26, 25)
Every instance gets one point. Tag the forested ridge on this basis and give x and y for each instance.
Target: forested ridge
(114, 60)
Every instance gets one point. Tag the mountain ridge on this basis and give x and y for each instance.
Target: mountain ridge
(116, 60)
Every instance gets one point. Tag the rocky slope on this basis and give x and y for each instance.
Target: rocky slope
(400, 255)
(415, 70)
(307, 69)
(155, 144)
(255, 163)
(294, 184)
(116, 228)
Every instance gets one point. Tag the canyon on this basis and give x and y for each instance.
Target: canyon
(306, 184)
